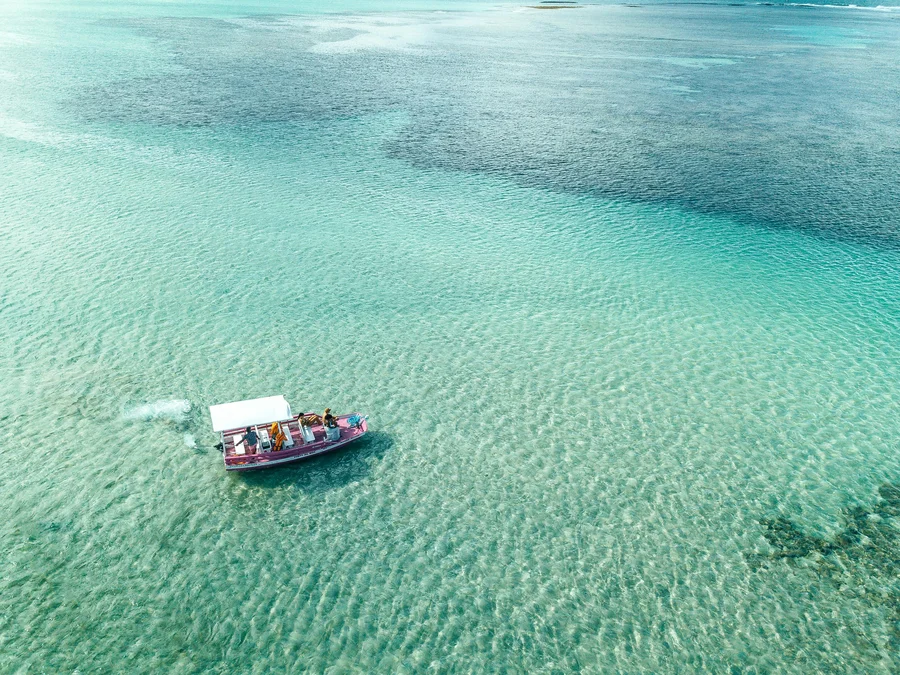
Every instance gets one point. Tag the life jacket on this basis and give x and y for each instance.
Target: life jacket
(279, 440)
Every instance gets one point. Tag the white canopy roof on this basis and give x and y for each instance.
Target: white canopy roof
(242, 414)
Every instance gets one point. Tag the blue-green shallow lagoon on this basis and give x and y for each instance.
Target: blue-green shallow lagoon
(538, 249)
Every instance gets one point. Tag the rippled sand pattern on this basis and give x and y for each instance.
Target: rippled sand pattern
(586, 411)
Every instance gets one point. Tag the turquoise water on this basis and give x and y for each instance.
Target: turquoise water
(616, 286)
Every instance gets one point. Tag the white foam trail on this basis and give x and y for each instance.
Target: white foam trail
(33, 133)
(879, 8)
(171, 409)
(385, 35)
(7, 38)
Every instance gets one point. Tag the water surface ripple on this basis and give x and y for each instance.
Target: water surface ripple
(632, 412)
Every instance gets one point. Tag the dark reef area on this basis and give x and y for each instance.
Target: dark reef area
(862, 560)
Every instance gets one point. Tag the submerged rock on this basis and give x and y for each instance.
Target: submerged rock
(861, 560)
(788, 540)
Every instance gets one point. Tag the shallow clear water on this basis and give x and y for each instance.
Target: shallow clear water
(615, 285)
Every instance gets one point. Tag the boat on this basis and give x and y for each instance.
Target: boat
(298, 436)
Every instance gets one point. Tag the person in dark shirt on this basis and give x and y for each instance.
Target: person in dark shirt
(251, 438)
(329, 420)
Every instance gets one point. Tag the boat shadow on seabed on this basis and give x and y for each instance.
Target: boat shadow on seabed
(326, 472)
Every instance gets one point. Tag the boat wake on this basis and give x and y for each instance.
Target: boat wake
(169, 409)
(878, 8)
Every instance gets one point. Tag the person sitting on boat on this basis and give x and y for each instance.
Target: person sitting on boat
(310, 419)
(329, 420)
(252, 439)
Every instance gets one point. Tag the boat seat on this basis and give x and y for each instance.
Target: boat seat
(307, 433)
(288, 439)
(239, 448)
(265, 443)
